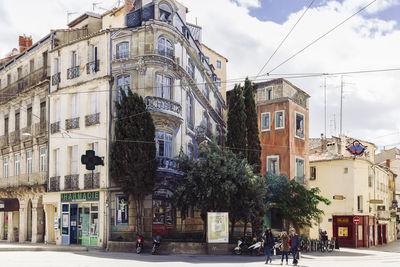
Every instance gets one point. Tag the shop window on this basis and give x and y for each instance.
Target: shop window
(299, 125)
(280, 119)
(265, 121)
(122, 210)
(162, 212)
(122, 50)
(164, 144)
(163, 86)
(165, 48)
(313, 173)
(94, 219)
(273, 164)
(343, 231)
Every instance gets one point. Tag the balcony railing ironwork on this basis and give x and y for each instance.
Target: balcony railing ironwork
(56, 78)
(55, 127)
(161, 104)
(167, 163)
(93, 67)
(72, 123)
(54, 184)
(91, 181)
(92, 119)
(73, 72)
(71, 182)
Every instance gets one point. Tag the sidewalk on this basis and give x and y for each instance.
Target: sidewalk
(7, 246)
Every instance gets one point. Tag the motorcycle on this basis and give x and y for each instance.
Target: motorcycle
(242, 246)
(257, 247)
(139, 244)
(156, 244)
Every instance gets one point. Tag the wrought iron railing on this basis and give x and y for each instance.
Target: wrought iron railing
(167, 163)
(73, 72)
(56, 78)
(93, 67)
(55, 127)
(161, 104)
(71, 182)
(54, 184)
(72, 123)
(92, 119)
(91, 181)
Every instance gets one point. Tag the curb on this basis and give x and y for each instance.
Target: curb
(63, 249)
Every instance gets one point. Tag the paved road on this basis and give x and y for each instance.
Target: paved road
(343, 258)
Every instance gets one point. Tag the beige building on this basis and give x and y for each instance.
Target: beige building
(356, 187)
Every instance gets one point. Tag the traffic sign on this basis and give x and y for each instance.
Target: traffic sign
(356, 220)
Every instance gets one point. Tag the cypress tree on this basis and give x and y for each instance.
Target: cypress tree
(236, 137)
(133, 162)
(253, 140)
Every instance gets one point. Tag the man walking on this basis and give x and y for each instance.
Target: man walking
(294, 245)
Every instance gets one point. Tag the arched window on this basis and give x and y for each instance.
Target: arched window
(165, 48)
(163, 86)
(165, 13)
(122, 50)
(189, 111)
(164, 144)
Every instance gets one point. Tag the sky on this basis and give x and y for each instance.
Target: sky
(247, 32)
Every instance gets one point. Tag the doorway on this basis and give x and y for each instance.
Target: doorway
(73, 237)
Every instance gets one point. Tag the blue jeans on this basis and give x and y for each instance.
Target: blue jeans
(294, 253)
(267, 251)
(285, 253)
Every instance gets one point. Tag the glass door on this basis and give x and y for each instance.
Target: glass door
(85, 225)
(94, 221)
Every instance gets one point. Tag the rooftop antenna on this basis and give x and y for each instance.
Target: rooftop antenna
(69, 13)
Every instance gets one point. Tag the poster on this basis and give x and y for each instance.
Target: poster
(217, 227)
(65, 220)
(343, 232)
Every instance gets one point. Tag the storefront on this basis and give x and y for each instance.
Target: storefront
(350, 234)
(79, 218)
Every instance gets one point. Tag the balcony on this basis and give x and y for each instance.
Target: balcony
(93, 67)
(167, 163)
(3, 141)
(73, 72)
(40, 128)
(26, 133)
(55, 127)
(164, 105)
(15, 137)
(92, 181)
(56, 79)
(72, 123)
(92, 119)
(23, 84)
(202, 133)
(33, 179)
(54, 184)
(71, 182)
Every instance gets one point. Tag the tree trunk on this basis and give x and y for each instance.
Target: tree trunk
(245, 229)
(204, 218)
(233, 221)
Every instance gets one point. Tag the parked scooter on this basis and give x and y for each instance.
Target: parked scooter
(241, 247)
(156, 244)
(257, 247)
(139, 244)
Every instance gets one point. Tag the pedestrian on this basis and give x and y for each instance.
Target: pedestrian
(268, 244)
(284, 247)
(294, 245)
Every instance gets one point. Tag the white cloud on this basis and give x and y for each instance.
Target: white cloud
(249, 3)
(376, 7)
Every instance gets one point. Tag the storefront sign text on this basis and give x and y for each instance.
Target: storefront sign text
(80, 196)
(342, 220)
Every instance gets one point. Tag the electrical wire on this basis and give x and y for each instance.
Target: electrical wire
(319, 38)
(284, 39)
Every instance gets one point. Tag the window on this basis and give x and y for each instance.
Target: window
(206, 91)
(17, 121)
(74, 59)
(17, 165)
(164, 144)
(6, 126)
(205, 122)
(57, 162)
(189, 111)
(165, 13)
(31, 65)
(264, 93)
(29, 117)
(122, 50)
(122, 210)
(279, 119)
(207, 59)
(190, 151)
(346, 170)
(124, 84)
(273, 164)
(219, 82)
(313, 173)
(74, 106)
(370, 176)
(8, 79)
(360, 203)
(74, 159)
(163, 86)
(219, 64)
(93, 103)
(5, 167)
(191, 68)
(265, 121)
(29, 163)
(43, 112)
(56, 66)
(299, 118)
(42, 166)
(299, 170)
(165, 48)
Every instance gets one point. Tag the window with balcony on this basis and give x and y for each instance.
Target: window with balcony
(122, 50)
(265, 121)
(273, 164)
(5, 167)
(163, 86)
(299, 170)
(164, 144)
(74, 70)
(165, 13)
(299, 120)
(93, 65)
(73, 122)
(42, 166)
(190, 68)
(124, 84)
(279, 119)
(17, 165)
(56, 78)
(165, 48)
(189, 111)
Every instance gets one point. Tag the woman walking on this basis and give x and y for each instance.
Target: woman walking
(294, 245)
(268, 244)
(285, 247)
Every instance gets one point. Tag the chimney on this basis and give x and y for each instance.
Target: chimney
(323, 143)
(388, 163)
(24, 43)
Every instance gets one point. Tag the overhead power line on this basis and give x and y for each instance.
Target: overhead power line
(322, 36)
(284, 39)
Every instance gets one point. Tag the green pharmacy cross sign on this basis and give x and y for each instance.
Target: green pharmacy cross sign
(91, 160)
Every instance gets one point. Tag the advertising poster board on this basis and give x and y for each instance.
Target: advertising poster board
(217, 227)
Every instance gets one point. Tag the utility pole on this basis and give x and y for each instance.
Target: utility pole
(341, 107)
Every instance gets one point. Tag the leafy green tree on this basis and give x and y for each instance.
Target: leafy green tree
(236, 137)
(253, 139)
(133, 162)
(217, 181)
(295, 203)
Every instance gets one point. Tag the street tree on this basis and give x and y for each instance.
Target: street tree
(253, 139)
(236, 137)
(133, 162)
